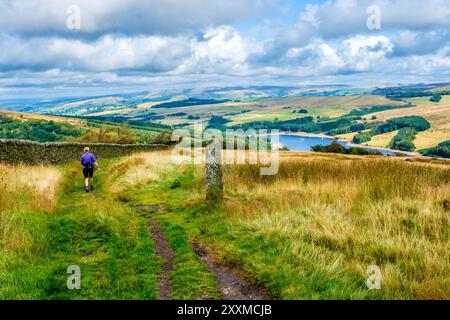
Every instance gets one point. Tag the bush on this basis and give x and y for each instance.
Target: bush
(335, 147)
(107, 134)
(441, 151)
(436, 98)
(362, 137)
(36, 130)
(404, 140)
(416, 122)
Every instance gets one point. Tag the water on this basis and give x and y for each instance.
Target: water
(304, 143)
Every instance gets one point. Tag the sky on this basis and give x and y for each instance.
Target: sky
(65, 48)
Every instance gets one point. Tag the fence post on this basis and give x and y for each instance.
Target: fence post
(214, 174)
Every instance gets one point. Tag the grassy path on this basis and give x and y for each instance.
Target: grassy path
(106, 239)
(163, 250)
(308, 233)
(123, 251)
(195, 273)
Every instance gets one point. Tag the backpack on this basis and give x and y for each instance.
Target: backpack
(90, 166)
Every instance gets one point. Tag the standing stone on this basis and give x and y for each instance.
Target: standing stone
(214, 174)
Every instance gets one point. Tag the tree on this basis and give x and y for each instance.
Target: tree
(436, 98)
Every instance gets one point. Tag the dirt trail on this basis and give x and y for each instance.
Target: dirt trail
(233, 285)
(162, 249)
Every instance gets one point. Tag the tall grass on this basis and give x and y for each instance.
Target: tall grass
(347, 214)
(312, 230)
(24, 190)
(137, 170)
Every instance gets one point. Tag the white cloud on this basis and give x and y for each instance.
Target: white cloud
(221, 50)
(363, 53)
(152, 53)
(139, 42)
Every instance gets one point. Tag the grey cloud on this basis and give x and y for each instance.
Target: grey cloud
(49, 17)
(152, 54)
(343, 17)
(407, 43)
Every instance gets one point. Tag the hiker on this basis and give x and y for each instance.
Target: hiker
(88, 161)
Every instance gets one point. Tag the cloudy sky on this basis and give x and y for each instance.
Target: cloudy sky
(51, 48)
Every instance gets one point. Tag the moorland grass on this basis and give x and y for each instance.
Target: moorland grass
(309, 232)
(312, 231)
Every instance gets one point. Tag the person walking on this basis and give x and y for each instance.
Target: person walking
(89, 162)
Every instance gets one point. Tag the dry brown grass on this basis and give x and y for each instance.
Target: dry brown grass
(312, 230)
(24, 190)
(23, 116)
(36, 186)
(138, 170)
(388, 212)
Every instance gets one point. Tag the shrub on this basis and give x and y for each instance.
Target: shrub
(36, 130)
(436, 98)
(416, 122)
(404, 140)
(362, 137)
(442, 150)
(335, 147)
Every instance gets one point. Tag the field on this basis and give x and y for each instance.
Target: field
(23, 116)
(438, 114)
(248, 110)
(382, 140)
(317, 106)
(309, 232)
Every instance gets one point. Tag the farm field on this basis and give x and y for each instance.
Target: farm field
(382, 140)
(241, 112)
(437, 114)
(24, 116)
(330, 107)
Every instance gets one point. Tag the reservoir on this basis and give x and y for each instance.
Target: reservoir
(305, 143)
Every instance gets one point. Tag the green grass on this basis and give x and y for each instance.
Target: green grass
(106, 239)
(311, 231)
(190, 278)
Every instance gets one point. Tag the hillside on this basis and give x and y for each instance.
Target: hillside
(24, 116)
(340, 111)
(309, 232)
(438, 115)
(49, 128)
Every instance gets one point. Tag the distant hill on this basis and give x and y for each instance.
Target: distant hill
(122, 103)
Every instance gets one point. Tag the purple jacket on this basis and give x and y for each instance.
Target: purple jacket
(87, 158)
